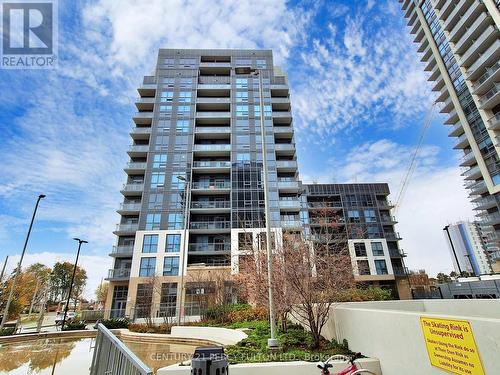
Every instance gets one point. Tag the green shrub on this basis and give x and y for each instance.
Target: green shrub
(145, 328)
(295, 337)
(233, 313)
(115, 323)
(363, 294)
(75, 326)
(7, 331)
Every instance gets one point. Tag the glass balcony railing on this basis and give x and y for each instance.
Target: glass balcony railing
(286, 164)
(210, 225)
(209, 247)
(138, 148)
(211, 204)
(212, 164)
(211, 185)
(133, 187)
(118, 274)
(291, 223)
(289, 203)
(134, 165)
(127, 227)
(130, 206)
(489, 72)
(123, 250)
(215, 147)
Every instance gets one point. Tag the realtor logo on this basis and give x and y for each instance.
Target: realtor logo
(29, 34)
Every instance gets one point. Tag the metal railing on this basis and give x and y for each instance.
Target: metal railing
(211, 204)
(209, 247)
(212, 164)
(111, 356)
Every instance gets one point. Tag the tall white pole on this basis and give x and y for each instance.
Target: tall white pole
(184, 250)
(3, 268)
(18, 270)
(271, 342)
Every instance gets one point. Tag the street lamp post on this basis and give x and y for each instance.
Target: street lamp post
(18, 270)
(187, 199)
(271, 342)
(72, 280)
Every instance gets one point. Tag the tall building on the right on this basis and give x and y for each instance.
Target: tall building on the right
(460, 43)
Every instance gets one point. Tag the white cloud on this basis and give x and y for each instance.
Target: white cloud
(95, 266)
(368, 70)
(435, 196)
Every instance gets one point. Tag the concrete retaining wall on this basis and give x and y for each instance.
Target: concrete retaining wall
(391, 331)
(224, 336)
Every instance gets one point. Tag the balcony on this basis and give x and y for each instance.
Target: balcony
(469, 37)
(455, 14)
(491, 75)
(494, 122)
(132, 189)
(485, 203)
(290, 204)
(210, 206)
(212, 149)
(135, 168)
(447, 106)
(129, 208)
(291, 224)
(210, 226)
(209, 130)
(397, 253)
(462, 142)
(209, 248)
(140, 132)
(214, 100)
(474, 12)
(388, 220)
(118, 274)
(492, 218)
(453, 118)
(456, 130)
(400, 271)
(212, 166)
(474, 49)
(472, 173)
(148, 87)
(468, 160)
(392, 236)
(284, 130)
(488, 58)
(288, 185)
(286, 165)
(145, 104)
(222, 64)
(138, 150)
(211, 188)
(285, 148)
(143, 118)
(214, 80)
(385, 204)
(491, 98)
(123, 229)
(478, 188)
(122, 251)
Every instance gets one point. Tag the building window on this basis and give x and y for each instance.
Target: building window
(169, 82)
(153, 221)
(171, 266)
(261, 64)
(186, 82)
(147, 267)
(353, 216)
(165, 108)
(185, 97)
(377, 249)
(160, 161)
(360, 249)
(182, 126)
(155, 201)
(175, 221)
(243, 158)
(173, 243)
(168, 300)
(157, 179)
(150, 243)
(363, 267)
(241, 96)
(381, 267)
(176, 182)
(267, 111)
(183, 109)
(167, 96)
(370, 216)
(241, 110)
(241, 83)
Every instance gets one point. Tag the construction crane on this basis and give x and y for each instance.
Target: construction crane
(413, 161)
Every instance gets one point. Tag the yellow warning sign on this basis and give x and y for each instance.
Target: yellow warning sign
(451, 346)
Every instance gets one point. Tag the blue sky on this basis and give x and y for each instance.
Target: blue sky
(359, 97)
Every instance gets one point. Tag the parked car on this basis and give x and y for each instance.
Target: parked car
(70, 316)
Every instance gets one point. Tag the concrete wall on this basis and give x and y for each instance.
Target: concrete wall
(224, 336)
(277, 368)
(391, 331)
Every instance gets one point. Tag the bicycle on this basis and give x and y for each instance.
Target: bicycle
(352, 369)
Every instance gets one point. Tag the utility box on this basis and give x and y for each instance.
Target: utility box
(209, 361)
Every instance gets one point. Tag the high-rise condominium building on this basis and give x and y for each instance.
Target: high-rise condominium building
(362, 214)
(460, 42)
(467, 248)
(194, 192)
